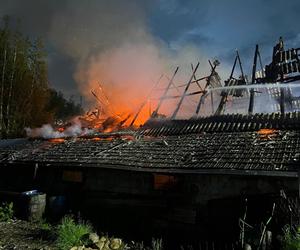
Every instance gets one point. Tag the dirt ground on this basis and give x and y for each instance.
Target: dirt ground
(21, 235)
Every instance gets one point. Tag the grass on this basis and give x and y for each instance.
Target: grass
(47, 231)
(6, 211)
(157, 244)
(70, 233)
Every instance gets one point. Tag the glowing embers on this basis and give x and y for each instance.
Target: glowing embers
(100, 138)
(57, 140)
(108, 138)
(96, 139)
(104, 124)
(266, 131)
(61, 129)
(164, 182)
(267, 134)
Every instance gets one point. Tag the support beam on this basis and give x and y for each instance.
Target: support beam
(164, 94)
(240, 64)
(204, 91)
(282, 100)
(225, 94)
(195, 78)
(184, 93)
(251, 102)
(282, 96)
(145, 102)
(212, 102)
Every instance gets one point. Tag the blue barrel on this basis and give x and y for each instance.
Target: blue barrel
(56, 206)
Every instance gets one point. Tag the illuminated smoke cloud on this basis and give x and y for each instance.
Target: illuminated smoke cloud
(48, 132)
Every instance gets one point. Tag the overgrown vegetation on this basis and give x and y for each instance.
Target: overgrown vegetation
(47, 230)
(156, 244)
(291, 241)
(25, 97)
(70, 233)
(6, 211)
(74, 235)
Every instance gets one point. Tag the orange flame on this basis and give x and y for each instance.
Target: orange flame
(96, 139)
(266, 131)
(61, 129)
(57, 140)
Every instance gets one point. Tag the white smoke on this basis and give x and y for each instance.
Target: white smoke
(48, 132)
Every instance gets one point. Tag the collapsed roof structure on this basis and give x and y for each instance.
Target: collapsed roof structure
(198, 159)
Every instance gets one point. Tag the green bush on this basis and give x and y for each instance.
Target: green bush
(69, 233)
(291, 241)
(6, 211)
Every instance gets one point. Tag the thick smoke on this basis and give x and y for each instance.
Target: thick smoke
(48, 132)
(109, 42)
(112, 45)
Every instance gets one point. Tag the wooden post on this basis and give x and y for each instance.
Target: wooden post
(224, 96)
(195, 78)
(269, 240)
(240, 64)
(145, 102)
(282, 101)
(184, 93)
(251, 102)
(165, 93)
(212, 102)
(204, 91)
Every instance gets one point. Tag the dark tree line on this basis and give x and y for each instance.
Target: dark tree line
(60, 107)
(25, 97)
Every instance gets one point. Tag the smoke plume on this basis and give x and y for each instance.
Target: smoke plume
(48, 132)
(113, 45)
(110, 42)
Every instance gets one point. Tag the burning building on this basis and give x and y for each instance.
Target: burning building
(169, 171)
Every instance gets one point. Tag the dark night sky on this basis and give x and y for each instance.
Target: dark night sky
(74, 30)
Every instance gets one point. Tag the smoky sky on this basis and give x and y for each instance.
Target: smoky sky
(75, 30)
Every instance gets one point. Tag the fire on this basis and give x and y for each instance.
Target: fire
(61, 129)
(57, 140)
(266, 131)
(115, 111)
(96, 139)
(267, 134)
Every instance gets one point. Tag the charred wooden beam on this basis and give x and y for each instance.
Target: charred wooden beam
(252, 92)
(184, 93)
(155, 113)
(146, 100)
(205, 91)
(225, 94)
